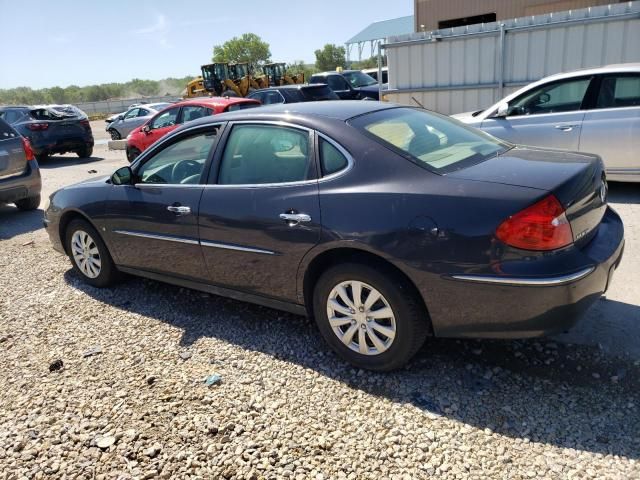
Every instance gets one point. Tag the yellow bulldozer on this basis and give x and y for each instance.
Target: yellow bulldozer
(278, 75)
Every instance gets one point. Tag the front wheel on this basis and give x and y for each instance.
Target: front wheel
(89, 255)
(370, 317)
(115, 135)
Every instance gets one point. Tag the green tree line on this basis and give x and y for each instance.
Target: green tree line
(93, 93)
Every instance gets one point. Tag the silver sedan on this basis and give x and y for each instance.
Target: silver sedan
(124, 123)
(595, 110)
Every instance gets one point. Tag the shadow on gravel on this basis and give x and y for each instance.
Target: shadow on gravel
(58, 162)
(537, 390)
(624, 192)
(15, 222)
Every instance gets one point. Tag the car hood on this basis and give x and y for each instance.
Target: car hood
(466, 117)
(539, 168)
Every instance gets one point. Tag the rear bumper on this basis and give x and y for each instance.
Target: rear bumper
(519, 307)
(29, 184)
(63, 145)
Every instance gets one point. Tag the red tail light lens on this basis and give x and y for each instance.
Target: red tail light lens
(542, 226)
(85, 123)
(37, 126)
(28, 151)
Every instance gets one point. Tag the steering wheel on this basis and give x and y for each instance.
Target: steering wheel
(184, 169)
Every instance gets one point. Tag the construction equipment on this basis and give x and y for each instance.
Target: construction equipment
(278, 75)
(195, 88)
(217, 80)
(242, 75)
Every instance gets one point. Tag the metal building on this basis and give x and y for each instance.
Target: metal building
(439, 14)
(469, 68)
(375, 33)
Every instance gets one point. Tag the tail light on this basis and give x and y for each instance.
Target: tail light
(85, 123)
(542, 226)
(37, 126)
(28, 151)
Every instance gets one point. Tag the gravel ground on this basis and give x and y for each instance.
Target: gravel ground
(130, 400)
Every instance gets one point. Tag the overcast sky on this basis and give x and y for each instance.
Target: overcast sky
(63, 42)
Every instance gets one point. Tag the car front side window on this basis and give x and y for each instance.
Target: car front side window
(562, 96)
(166, 119)
(131, 113)
(262, 154)
(181, 162)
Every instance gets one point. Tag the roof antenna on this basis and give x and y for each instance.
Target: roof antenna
(419, 104)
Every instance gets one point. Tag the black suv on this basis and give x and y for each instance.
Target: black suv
(293, 94)
(52, 129)
(20, 181)
(349, 84)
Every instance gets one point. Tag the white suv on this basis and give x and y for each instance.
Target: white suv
(595, 110)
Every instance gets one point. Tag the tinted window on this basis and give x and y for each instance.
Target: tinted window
(142, 112)
(293, 95)
(12, 116)
(193, 112)
(331, 159)
(564, 96)
(258, 154)
(240, 106)
(429, 139)
(166, 119)
(359, 79)
(181, 162)
(256, 96)
(620, 91)
(6, 131)
(318, 79)
(336, 82)
(313, 94)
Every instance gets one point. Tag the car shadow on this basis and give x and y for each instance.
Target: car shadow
(620, 192)
(15, 222)
(63, 161)
(463, 380)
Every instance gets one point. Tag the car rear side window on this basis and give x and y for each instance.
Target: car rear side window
(430, 140)
(619, 92)
(241, 106)
(322, 92)
(193, 112)
(260, 154)
(331, 159)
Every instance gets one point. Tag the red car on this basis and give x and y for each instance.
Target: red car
(171, 117)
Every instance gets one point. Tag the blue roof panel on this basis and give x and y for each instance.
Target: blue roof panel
(384, 29)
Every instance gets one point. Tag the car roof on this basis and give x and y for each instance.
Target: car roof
(334, 72)
(215, 101)
(341, 110)
(613, 68)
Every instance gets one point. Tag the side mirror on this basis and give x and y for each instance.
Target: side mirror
(146, 129)
(122, 176)
(503, 110)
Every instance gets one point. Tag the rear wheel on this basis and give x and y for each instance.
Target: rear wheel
(115, 135)
(30, 203)
(89, 255)
(42, 157)
(370, 317)
(85, 152)
(132, 154)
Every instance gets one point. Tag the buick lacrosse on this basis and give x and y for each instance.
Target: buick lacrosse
(385, 223)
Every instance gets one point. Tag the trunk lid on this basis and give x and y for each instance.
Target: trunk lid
(577, 180)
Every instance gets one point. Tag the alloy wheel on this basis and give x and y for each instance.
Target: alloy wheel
(361, 317)
(86, 254)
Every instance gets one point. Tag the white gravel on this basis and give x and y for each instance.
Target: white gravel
(137, 406)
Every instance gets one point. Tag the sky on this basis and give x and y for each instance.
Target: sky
(82, 42)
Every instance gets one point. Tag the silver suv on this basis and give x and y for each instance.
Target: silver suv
(595, 110)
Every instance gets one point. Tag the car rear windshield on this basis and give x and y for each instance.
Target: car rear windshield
(433, 141)
(321, 92)
(241, 106)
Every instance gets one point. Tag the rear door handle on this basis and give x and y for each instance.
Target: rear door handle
(565, 127)
(294, 219)
(179, 209)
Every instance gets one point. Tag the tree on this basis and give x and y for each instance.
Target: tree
(249, 47)
(330, 57)
(298, 66)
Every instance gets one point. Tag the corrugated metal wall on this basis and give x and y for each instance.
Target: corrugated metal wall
(463, 69)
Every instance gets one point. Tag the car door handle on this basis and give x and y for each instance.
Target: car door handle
(179, 209)
(565, 127)
(294, 219)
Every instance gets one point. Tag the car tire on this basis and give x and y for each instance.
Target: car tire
(42, 157)
(89, 255)
(85, 152)
(30, 203)
(132, 154)
(115, 135)
(405, 328)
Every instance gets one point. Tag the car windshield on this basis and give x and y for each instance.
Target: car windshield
(431, 140)
(359, 79)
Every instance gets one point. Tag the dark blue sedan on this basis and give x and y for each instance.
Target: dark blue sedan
(385, 223)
